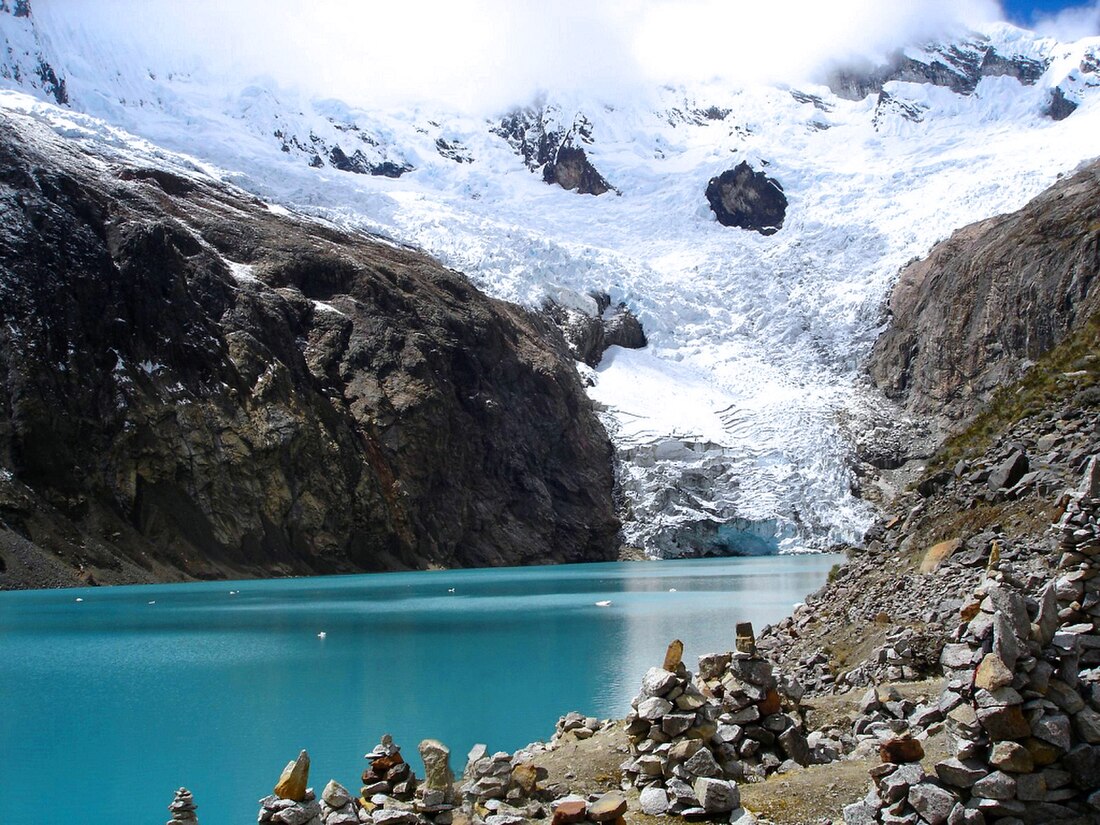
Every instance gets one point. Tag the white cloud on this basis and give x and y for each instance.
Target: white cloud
(487, 54)
(1072, 23)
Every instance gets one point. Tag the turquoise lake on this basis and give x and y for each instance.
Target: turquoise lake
(108, 704)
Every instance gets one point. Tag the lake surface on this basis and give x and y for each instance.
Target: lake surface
(108, 704)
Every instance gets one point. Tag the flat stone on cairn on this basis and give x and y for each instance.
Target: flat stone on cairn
(183, 808)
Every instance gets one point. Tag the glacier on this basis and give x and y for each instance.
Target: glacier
(729, 427)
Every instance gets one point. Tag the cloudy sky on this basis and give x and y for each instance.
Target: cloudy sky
(486, 54)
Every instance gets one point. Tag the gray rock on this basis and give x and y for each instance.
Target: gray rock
(959, 773)
(1008, 472)
(658, 681)
(654, 800)
(335, 795)
(703, 764)
(1005, 643)
(1054, 729)
(1047, 620)
(932, 802)
(860, 813)
(1087, 722)
(998, 785)
(654, 708)
(794, 745)
(717, 795)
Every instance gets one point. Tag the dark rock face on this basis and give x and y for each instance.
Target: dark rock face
(537, 134)
(588, 336)
(957, 66)
(750, 200)
(996, 293)
(571, 169)
(1060, 106)
(325, 403)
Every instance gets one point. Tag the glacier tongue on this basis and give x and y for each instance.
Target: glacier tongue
(727, 425)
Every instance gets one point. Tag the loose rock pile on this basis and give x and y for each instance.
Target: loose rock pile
(338, 805)
(578, 726)
(1022, 700)
(500, 776)
(691, 743)
(183, 808)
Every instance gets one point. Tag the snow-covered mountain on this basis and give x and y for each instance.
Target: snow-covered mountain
(733, 426)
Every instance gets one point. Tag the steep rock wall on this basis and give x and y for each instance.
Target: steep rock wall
(990, 299)
(192, 384)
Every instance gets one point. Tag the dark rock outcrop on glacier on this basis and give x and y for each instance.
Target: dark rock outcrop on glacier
(192, 385)
(992, 298)
(590, 334)
(542, 138)
(1060, 106)
(748, 199)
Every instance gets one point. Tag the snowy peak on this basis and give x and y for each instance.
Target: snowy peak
(1065, 72)
(23, 59)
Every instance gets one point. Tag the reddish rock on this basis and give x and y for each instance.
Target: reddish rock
(569, 812)
(770, 703)
(901, 749)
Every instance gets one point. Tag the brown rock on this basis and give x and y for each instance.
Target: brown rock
(674, 656)
(608, 807)
(746, 638)
(295, 776)
(937, 554)
(526, 776)
(1004, 722)
(969, 610)
(770, 704)
(1012, 757)
(1042, 753)
(570, 811)
(992, 673)
(901, 749)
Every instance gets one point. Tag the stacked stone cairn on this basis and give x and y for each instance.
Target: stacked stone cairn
(183, 808)
(690, 743)
(503, 783)
(292, 802)
(388, 777)
(1022, 699)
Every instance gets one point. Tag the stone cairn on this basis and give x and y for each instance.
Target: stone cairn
(292, 803)
(690, 743)
(502, 783)
(388, 776)
(338, 805)
(1022, 699)
(183, 808)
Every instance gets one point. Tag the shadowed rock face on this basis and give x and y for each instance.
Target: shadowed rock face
(994, 295)
(192, 385)
(750, 200)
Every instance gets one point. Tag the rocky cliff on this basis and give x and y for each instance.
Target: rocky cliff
(990, 300)
(193, 384)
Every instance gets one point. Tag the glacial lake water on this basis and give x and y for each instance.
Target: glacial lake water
(111, 698)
